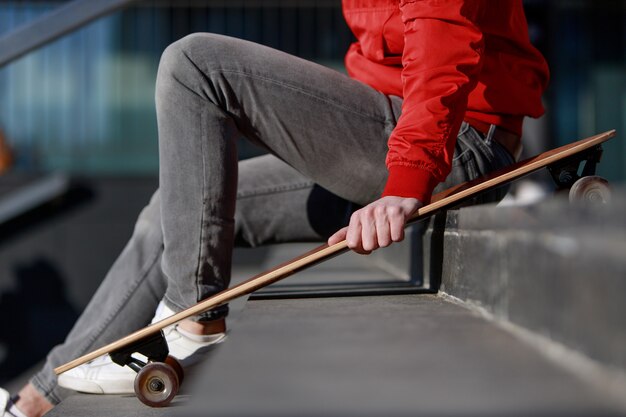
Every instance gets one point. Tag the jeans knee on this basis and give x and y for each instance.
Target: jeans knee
(190, 60)
(199, 49)
(173, 58)
(170, 56)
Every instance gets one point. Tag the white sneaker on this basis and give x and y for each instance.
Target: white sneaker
(103, 376)
(99, 376)
(7, 407)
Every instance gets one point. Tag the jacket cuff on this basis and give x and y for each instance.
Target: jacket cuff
(405, 181)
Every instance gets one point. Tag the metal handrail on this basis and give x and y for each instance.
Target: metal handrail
(54, 24)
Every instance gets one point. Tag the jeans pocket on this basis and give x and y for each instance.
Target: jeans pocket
(474, 157)
(462, 152)
(464, 168)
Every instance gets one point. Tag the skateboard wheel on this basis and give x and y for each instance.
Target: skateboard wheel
(156, 384)
(177, 367)
(591, 189)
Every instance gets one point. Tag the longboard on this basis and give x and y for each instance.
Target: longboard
(157, 382)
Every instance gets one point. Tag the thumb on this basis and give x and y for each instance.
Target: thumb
(338, 236)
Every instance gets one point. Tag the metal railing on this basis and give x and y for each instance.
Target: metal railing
(58, 22)
(85, 102)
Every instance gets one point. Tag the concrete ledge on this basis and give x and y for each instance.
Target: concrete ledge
(409, 355)
(555, 269)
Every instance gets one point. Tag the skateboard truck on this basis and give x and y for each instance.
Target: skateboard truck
(158, 380)
(565, 172)
(586, 186)
(153, 347)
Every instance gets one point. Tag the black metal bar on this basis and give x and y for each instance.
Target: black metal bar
(51, 26)
(353, 291)
(31, 196)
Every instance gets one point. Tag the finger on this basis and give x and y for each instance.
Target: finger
(338, 236)
(383, 235)
(396, 226)
(353, 234)
(369, 240)
(397, 222)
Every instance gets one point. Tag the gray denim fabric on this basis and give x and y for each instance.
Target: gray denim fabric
(326, 136)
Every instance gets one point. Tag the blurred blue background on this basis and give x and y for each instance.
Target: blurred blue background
(84, 103)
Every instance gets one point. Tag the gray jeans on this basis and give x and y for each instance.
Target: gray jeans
(326, 139)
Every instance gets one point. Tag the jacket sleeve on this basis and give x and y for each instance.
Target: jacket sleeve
(441, 60)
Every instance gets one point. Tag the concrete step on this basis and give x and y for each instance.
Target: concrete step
(371, 356)
(394, 356)
(556, 269)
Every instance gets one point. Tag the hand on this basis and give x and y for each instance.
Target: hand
(377, 224)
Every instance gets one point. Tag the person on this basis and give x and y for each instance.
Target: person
(436, 95)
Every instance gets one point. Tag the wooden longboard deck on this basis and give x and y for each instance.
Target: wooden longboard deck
(441, 201)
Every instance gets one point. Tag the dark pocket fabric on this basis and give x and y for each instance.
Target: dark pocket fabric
(475, 156)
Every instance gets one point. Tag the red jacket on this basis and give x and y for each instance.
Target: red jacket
(451, 60)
